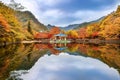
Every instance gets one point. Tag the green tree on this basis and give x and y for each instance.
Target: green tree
(29, 27)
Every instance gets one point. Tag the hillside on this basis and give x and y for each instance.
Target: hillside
(4, 30)
(25, 16)
(15, 30)
(17, 25)
(105, 28)
(110, 26)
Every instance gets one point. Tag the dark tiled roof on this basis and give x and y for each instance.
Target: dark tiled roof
(62, 35)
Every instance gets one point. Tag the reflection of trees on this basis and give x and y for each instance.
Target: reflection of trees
(109, 53)
(49, 47)
(72, 47)
(78, 47)
(23, 56)
(20, 56)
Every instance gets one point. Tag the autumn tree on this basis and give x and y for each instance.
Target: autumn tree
(111, 31)
(72, 34)
(82, 33)
(4, 23)
(92, 30)
(43, 35)
(55, 30)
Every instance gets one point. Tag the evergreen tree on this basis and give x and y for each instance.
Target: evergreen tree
(29, 27)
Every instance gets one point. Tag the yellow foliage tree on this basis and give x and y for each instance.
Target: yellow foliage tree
(72, 34)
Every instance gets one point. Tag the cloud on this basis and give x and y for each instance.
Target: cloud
(64, 12)
(5, 1)
(86, 16)
(52, 2)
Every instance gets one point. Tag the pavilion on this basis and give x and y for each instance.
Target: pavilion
(59, 38)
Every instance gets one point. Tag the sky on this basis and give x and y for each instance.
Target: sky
(65, 12)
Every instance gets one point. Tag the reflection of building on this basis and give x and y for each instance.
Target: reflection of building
(60, 48)
(59, 38)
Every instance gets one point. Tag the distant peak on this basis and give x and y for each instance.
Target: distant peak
(16, 6)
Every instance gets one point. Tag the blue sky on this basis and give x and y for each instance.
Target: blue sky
(64, 12)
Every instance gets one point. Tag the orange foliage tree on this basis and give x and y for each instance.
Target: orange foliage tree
(4, 23)
(55, 30)
(82, 33)
(42, 35)
(47, 35)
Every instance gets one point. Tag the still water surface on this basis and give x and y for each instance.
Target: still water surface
(60, 62)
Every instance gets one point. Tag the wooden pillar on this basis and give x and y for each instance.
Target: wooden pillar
(65, 38)
(55, 38)
(60, 38)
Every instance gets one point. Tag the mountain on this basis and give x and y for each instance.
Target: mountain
(69, 27)
(77, 26)
(25, 16)
(49, 26)
(85, 24)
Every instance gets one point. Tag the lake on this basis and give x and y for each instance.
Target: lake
(60, 62)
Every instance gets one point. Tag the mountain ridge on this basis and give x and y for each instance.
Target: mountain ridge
(75, 26)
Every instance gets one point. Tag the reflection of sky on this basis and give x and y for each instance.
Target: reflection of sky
(69, 67)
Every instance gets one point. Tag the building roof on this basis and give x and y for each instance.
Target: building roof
(61, 35)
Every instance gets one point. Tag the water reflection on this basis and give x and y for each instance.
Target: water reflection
(25, 56)
(18, 57)
(108, 53)
(68, 67)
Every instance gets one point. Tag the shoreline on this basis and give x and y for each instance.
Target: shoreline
(92, 41)
(79, 41)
